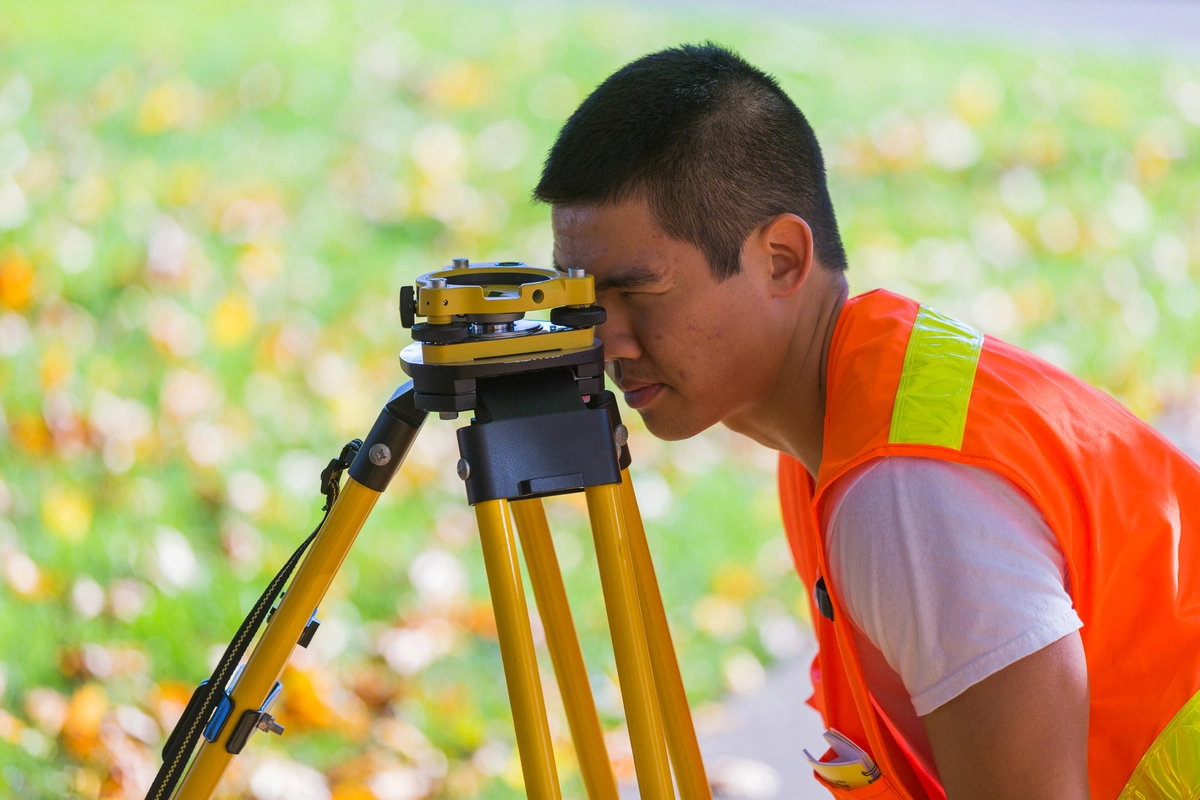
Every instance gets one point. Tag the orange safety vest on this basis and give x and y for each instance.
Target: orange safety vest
(1124, 504)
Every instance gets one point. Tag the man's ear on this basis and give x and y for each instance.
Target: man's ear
(786, 242)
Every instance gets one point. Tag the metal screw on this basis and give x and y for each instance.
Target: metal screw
(437, 283)
(576, 272)
(621, 435)
(267, 723)
(448, 414)
(379, 454)
(460, 263)
(464, 469)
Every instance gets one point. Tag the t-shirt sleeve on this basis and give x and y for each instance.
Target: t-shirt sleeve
(950, 570)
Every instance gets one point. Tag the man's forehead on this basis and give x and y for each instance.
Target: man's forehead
(603, 238)
(629, 220)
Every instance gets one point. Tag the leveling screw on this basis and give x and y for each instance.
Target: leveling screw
(576, 272)
(379, 454)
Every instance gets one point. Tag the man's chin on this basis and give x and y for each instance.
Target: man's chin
(668, 427)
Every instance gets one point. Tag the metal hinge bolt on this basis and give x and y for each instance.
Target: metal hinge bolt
(621, 435)
(267, 723)
(380, 454)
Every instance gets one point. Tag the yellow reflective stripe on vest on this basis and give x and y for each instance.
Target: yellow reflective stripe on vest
(1170, 770)
(935, 386)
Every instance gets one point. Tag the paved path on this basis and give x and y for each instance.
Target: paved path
(758, 756)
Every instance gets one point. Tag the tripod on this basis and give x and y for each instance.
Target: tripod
(543, 425)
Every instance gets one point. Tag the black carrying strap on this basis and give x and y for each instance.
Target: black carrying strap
(187, 731)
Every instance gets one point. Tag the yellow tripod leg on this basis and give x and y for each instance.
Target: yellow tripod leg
(270, 655)
(629, 642)
(677, 716)
(561, 639)
(516, 649)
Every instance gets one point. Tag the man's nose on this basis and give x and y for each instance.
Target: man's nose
(617, 335)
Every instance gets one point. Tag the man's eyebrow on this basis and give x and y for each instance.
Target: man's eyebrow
(629, 278)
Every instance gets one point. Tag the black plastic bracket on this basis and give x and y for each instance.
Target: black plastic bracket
(390, 438)
(533, 436)
(453, 387)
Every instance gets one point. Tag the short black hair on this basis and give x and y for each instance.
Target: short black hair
(711, 142)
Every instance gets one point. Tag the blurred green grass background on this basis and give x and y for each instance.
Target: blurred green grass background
(206, 212)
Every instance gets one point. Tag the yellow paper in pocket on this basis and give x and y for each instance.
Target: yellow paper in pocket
(849, 768)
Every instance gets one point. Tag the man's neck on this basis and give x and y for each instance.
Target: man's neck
(791, 418)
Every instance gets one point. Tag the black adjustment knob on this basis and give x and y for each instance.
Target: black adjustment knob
(582, 317)
(440, 334)
(310, 630)
(408, 306)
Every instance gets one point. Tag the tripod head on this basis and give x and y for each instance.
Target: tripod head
(543, 423)
(475, 328)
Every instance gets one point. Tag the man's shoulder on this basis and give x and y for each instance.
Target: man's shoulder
(914, 487)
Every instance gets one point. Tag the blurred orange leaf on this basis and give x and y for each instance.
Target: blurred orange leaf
(314, 699)
(16, 280)
(10, 727)
(81, 729)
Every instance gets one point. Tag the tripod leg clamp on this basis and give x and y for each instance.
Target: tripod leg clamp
(251, 721)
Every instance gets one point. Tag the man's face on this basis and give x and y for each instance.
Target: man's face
(687, 351)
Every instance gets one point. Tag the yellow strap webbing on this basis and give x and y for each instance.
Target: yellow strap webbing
(1170, 769)
(935, 384)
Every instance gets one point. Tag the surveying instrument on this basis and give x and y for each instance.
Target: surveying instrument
(543, 425)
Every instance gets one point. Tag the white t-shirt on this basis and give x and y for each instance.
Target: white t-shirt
(948, 573)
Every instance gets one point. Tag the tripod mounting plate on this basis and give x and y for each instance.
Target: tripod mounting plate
(452, 387)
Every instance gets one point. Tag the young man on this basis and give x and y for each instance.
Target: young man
(1003, 561)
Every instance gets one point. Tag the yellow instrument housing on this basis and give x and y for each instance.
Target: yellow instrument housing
(553, 290)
